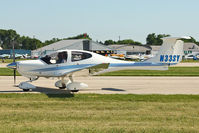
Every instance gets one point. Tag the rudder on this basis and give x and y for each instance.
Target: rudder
(171, 51)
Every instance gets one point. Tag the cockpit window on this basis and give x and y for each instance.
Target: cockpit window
(77, 56)
(55, 58)
(46, 59)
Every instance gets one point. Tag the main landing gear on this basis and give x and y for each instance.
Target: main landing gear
(70, 84)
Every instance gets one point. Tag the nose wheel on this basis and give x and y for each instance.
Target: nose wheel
(26, 90)
(74, 90)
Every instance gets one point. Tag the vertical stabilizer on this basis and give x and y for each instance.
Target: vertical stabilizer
(171, 51)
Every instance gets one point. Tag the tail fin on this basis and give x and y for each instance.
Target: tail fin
(171, 51)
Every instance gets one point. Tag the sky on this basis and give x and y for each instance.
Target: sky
(101, 19)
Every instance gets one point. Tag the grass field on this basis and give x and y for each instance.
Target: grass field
(11, 60)
(173, 71)
(95, 113)
(190, 61)
(7, 72)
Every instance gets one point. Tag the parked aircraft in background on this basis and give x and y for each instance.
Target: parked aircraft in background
(64, 63)
(117, 56)
(17, 56)
(133, 57)
(140, 57)
(4, 56)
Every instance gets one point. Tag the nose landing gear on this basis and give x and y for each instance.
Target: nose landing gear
(25, 86)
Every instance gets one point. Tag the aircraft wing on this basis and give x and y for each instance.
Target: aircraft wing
(105, 68)
(98, 68)
(93, 69)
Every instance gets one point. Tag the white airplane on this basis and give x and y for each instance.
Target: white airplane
(64, 63)
(3, 56)
(18, 56)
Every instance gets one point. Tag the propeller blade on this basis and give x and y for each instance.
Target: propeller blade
(13, 52)
(14, 76)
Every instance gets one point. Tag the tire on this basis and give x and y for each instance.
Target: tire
(26, 90)
(74, 90)
(62, 88)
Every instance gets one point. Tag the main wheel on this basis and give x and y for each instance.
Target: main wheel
(74, 90)
(26, 90)
(62, 87)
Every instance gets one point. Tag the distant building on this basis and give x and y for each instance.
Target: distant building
(76, 44)
(132, 49)
(189, 48)
(155, 49)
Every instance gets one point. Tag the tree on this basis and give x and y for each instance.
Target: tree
(47, 42)
(153, 39)
(192, 40)
(8, 37)
(108, 42)
(126, 41)
(30, 43)
(81, 36)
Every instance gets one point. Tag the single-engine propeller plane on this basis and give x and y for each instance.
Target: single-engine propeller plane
(64, 63)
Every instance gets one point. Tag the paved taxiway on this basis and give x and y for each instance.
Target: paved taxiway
(113, 85)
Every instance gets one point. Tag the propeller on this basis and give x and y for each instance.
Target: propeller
(14, 69)
(13, 65)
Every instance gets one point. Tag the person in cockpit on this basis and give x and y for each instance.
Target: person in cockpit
(62, 57)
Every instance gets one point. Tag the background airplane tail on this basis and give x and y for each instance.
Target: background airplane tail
(171, 51)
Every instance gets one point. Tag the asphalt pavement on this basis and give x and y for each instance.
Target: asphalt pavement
(111, 85)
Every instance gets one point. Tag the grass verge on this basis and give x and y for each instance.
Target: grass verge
(173, 71)
(7, 72)
(11, 60)
(99, 113)
(190, 61)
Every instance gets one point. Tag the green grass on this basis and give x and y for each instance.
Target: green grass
(95, 113)
(190, 61)
(173, 71)
(7, 72)
(11, 60)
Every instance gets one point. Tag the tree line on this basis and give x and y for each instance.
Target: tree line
(8, 37)
(153, 39)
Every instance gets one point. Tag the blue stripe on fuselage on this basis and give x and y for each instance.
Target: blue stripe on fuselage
(65, 67)
(138, 64)
(82, 66)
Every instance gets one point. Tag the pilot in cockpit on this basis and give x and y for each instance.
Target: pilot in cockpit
(62, 57)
